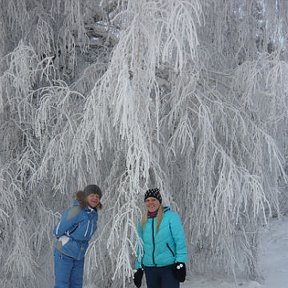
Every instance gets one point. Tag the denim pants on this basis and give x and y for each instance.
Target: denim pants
(68, 271)
(161, 277)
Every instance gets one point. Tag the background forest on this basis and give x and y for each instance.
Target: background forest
(189, 96)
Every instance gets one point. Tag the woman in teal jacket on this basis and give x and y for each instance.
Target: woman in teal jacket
(73, 232)
(164, 245)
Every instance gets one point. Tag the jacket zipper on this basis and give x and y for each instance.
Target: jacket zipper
(170, 250)
(73, 230)
(153, 240)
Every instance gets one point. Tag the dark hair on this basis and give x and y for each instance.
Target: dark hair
(82, 199)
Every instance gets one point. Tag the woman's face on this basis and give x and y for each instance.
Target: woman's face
(152, 204)
(93, 200)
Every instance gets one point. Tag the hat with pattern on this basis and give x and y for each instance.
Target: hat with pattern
(155, 193)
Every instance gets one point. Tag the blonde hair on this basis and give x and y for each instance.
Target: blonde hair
(159, 218)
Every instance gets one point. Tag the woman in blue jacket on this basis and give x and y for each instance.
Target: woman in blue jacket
(164, 245)
(73, 232)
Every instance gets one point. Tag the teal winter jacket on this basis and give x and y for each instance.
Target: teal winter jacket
(74, 230)
(166, 247)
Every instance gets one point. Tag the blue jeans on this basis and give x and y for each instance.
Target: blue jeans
(161, 277)
(68, 271)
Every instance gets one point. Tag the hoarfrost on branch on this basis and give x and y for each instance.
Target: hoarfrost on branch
(188, 96)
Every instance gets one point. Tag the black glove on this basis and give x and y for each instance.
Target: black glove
(180, 271)
(137, 278)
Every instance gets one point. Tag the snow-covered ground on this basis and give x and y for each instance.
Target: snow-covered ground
(273, 261)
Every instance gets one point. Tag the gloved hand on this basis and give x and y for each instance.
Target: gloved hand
(137, 278)
(180, 271)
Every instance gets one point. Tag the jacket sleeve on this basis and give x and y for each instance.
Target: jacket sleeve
(178, 235)
(68, 222)
(139, 249)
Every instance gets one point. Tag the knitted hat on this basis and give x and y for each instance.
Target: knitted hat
(92, 189)
(155, 193)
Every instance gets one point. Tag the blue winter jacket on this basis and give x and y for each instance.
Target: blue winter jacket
(166, 247)
(74, 231)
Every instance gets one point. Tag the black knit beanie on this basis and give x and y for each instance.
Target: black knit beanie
(155, 193)
(92, 189)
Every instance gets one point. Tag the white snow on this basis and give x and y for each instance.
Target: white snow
(273, 261)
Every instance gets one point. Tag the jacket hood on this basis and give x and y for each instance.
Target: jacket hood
(166, 208)
(75, 203)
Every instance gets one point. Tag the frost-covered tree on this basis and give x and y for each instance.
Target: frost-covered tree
(189, 96)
